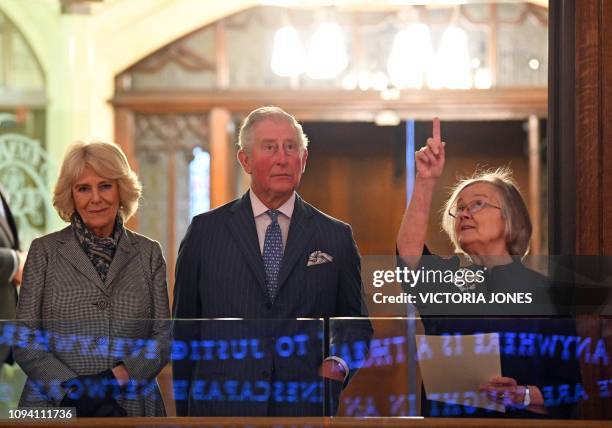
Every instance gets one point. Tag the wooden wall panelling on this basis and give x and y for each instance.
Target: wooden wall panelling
(606, 123)
(221, 159)
(588, 185)
(581, 175)
(588, 138)
(340, 105)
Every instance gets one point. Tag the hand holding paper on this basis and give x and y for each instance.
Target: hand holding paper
(455, 367)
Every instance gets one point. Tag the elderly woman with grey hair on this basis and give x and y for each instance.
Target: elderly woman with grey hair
(486, 220)
(97, 292)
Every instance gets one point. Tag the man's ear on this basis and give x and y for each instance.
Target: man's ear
(243, 158)
(304, 157)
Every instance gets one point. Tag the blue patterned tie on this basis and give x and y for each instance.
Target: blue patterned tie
(272, 253)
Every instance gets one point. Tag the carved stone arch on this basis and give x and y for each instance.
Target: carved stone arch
(36, 36)
(171, 21)
(22, 74)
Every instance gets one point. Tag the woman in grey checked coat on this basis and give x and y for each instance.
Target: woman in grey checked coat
(93, 309)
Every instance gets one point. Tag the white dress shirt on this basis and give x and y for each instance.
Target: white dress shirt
(263, 220)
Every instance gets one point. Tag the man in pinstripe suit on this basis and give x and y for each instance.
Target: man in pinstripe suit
(266, 256)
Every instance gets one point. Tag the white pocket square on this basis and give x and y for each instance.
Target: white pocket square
(319, 258)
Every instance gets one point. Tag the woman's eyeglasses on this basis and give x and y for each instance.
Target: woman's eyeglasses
(472, 207)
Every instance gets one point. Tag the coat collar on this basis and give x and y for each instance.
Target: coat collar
(73, 253)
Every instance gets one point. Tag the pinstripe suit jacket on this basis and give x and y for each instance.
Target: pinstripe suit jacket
(220, 274)
(93, 325)
(9, 240)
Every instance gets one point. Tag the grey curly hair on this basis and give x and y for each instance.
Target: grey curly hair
(513, 209)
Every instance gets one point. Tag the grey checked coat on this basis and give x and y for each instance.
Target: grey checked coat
(91, 326)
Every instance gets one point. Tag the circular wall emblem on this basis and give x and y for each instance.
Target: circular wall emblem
(23, 174)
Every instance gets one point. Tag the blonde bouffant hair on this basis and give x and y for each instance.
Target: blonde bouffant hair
(513, 209)
(108, 161)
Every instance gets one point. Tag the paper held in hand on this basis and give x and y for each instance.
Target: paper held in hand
(453, 367)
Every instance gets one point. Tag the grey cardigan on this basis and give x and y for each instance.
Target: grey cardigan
(91, 326)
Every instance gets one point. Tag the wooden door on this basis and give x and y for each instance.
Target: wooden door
(356, 173)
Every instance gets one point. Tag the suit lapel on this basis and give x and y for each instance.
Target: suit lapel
(5, 223)
(74, 254)
(301, 231)
(7, 231)
(241, 225)
(123, 254)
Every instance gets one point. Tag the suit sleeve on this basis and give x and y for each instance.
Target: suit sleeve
(356, 333)
(7, 266)
(34, 358)
(8, 297)
(186, 306)
(141, 367)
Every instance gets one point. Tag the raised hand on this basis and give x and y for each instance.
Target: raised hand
(413, 230)
(430, 158)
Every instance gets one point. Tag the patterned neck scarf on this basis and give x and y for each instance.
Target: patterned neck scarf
(99, 250)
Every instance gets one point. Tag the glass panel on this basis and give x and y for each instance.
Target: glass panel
(249, 367)
(248, 67)
(467, 323)
(220, 367)
(68, 362)
(522, 54)
(451, 367)
(519, 30)
(185, 64)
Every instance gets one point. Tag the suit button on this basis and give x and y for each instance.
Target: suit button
(100, 340)
(269, 306)
(102, 304)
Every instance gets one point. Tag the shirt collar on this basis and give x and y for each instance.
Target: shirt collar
(259, 208)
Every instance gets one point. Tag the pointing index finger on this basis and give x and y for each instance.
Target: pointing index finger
(436, 129)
